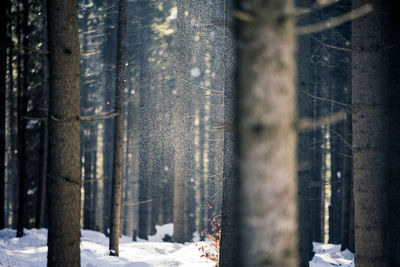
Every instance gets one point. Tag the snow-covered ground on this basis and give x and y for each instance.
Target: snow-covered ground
(328, 255)
(31, 250)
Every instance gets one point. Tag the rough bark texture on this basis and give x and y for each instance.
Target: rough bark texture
(370, 139)
(392, 60)
(229, 228)
(64, 177)
(3, 57)
(116, 191)
(145, 157)
(267, 138)
(22, 105)
(304, 144)
(41, 207)
(180, 127)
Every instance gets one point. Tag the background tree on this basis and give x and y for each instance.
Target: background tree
(229, 228)
(3, 75)
(116, 195)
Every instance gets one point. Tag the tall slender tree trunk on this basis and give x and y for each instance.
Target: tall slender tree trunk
(41, 207)
(145, 157)
(229, 227)
(393, 60)
(347, 184)
(3, 92)
(305, 150)
(22, 105)
(64, 178)
(116, 192)
(267, 138)
(109, 61)
(180, 128)
(370, 135)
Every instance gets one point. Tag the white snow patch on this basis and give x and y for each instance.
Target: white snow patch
(31, 250)
(328, 255)
(161, 232)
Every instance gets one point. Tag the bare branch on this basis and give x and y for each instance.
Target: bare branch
(338, 48)
(316, 6)
(307, 124)
(97, 117)
(24, 49)
(137, 203)
(326, 99)
(335, 21)
(240, 15)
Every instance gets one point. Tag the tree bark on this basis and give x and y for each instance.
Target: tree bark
(41, 207)
(64, 178)
(116, 192)
(370, 136)
(145, 157)
(267, 138)
(3, 92)
(229, 228)
(392, 60)
(22, 105)
(180, 128)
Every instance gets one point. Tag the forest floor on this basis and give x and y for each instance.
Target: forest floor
(328, 255)
(31, 251)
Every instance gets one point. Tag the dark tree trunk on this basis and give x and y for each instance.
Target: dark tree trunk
(109, 61)
(392, 59)
(22, 104)
(346, 184)
(266, 135)
(305, 142)
(145, 157)
(64, 178)
(116, 192)
(3, 91)
(370, 135)
(41, 208)
(10, 171)
(229, 255)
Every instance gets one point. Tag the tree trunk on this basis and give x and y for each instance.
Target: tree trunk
(370, 138)
(3, 91)
(41, 207)
(393, 59)
(64, 178)
(182, 109)
(22, 105)
(267, 138)
(116, 192)
(229, 227)
(145, 157)
(305, 142)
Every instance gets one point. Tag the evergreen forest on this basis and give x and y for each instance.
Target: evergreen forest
(209, 133)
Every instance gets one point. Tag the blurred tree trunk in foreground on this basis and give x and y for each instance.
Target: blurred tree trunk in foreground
(267, 137)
